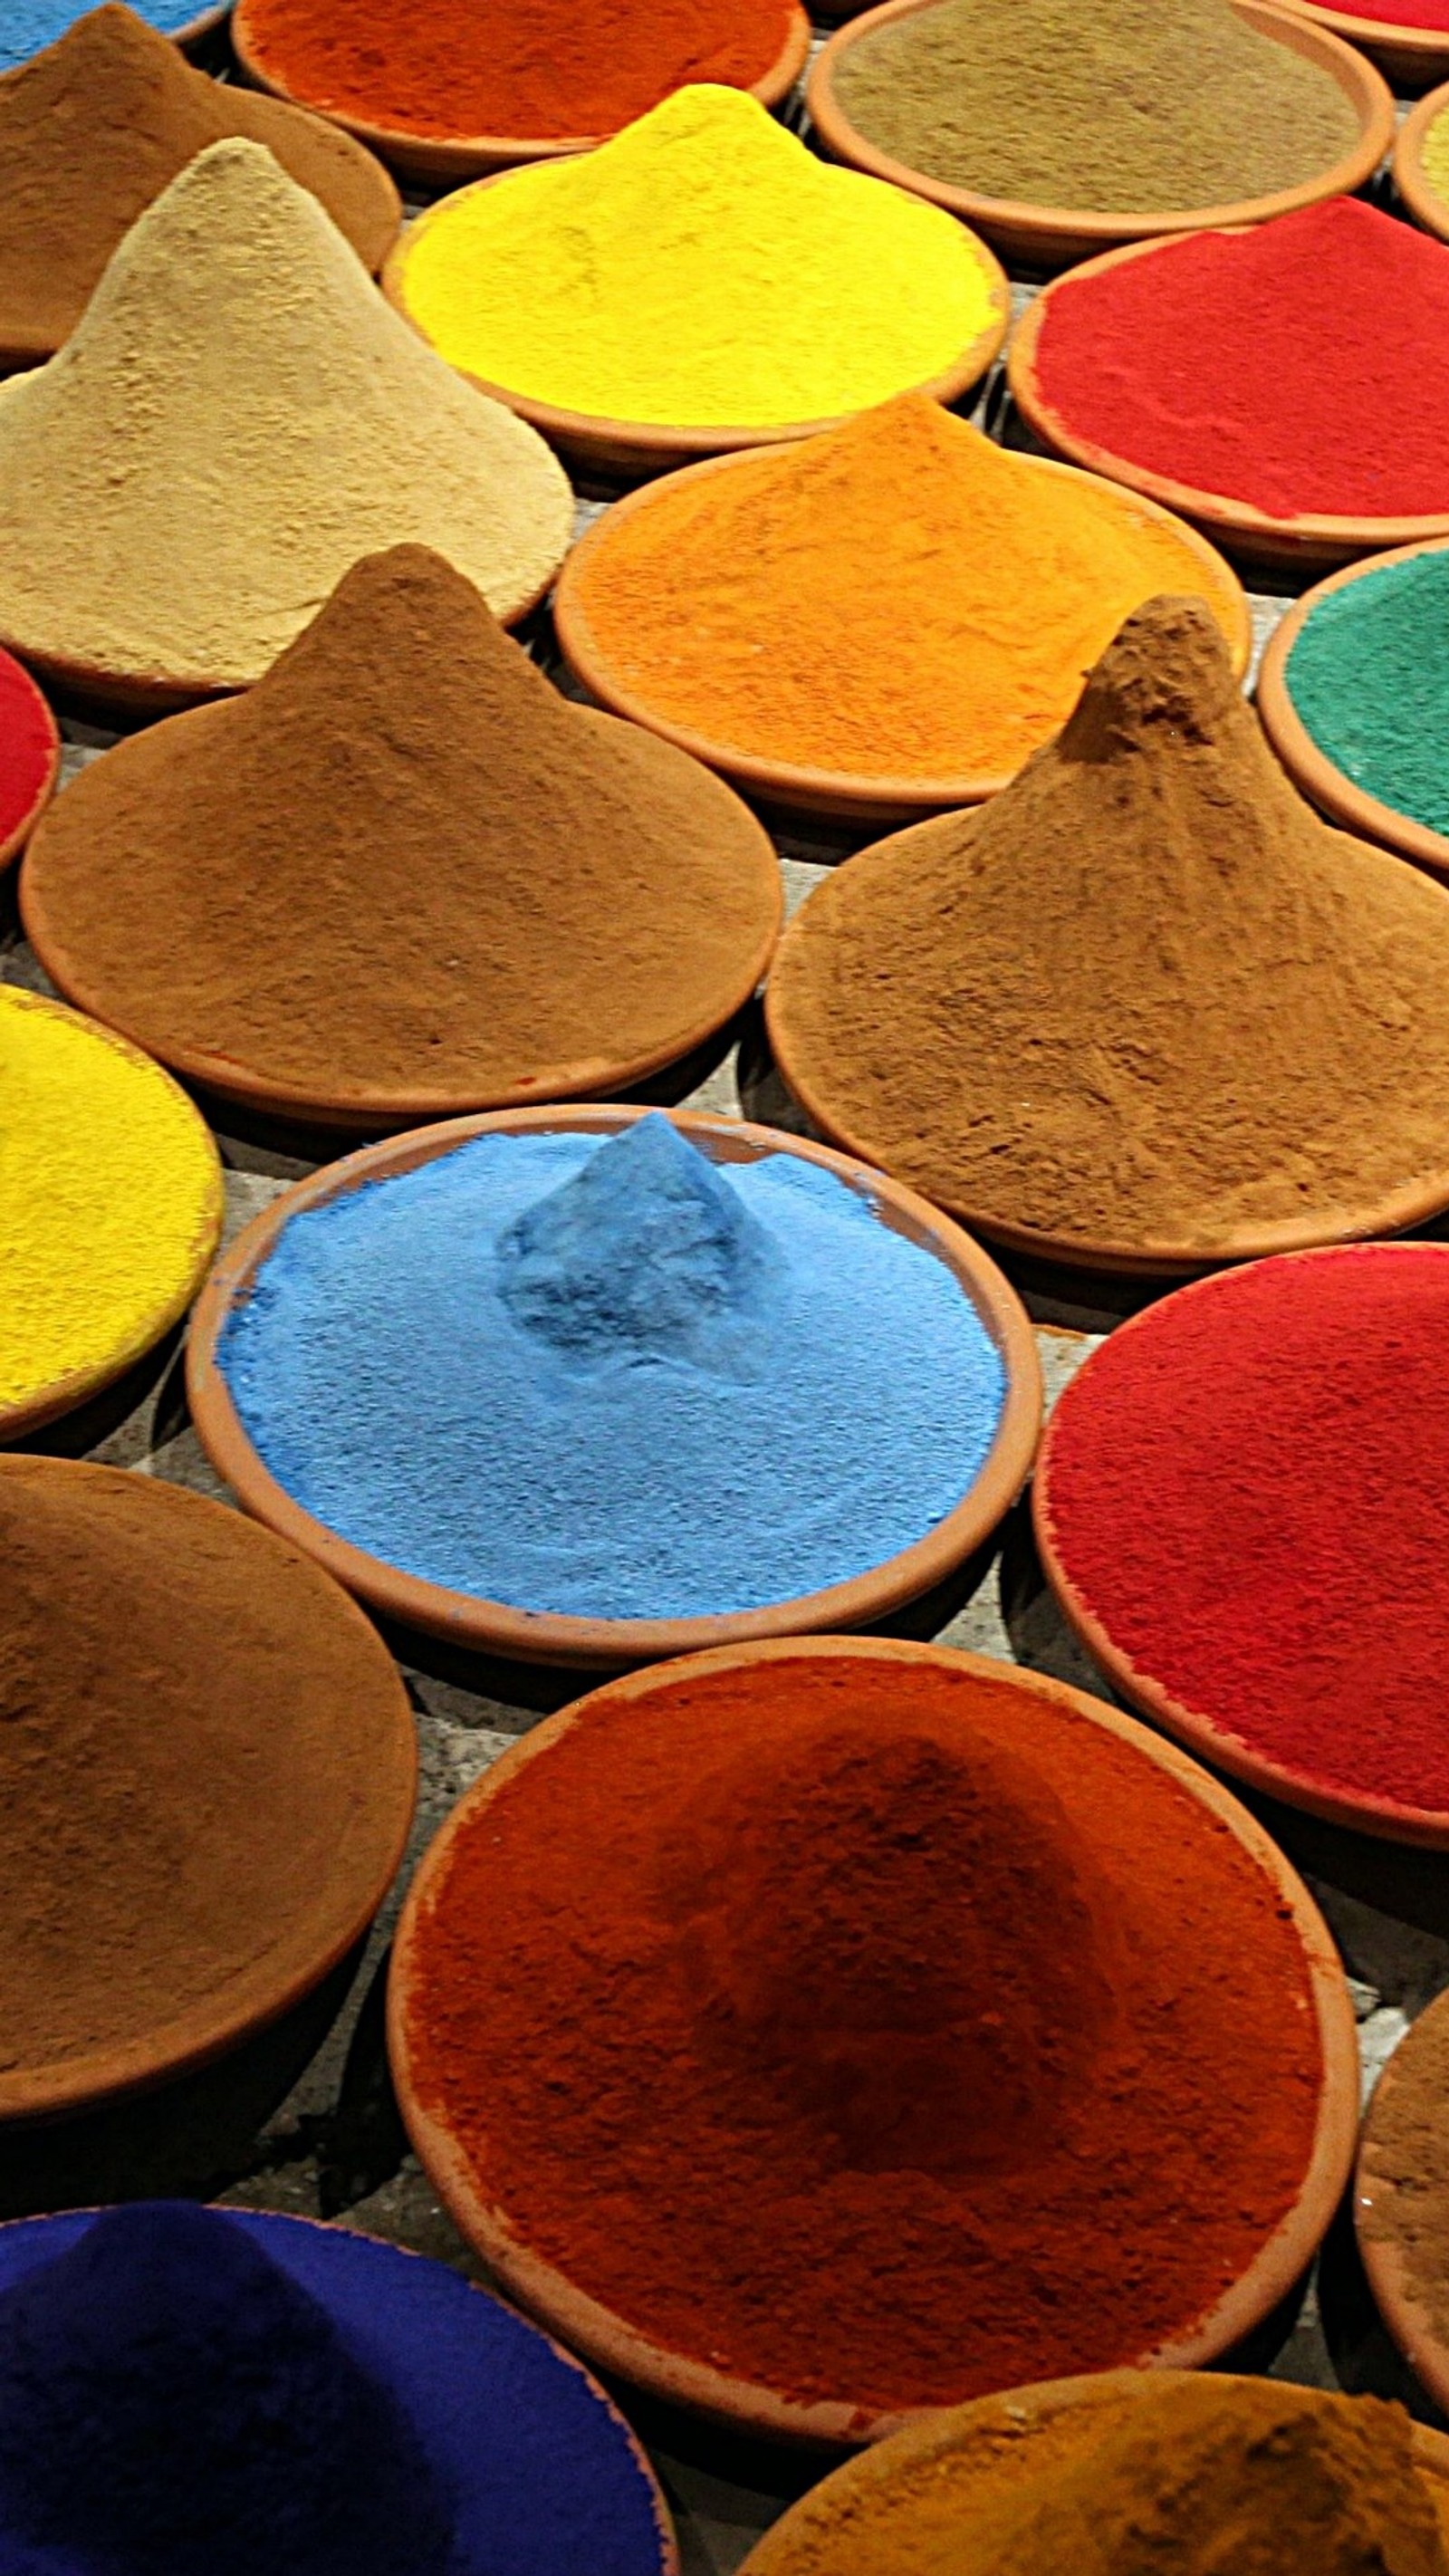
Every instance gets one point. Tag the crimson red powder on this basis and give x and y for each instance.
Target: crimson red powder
(1302, 367)
(1398, 13)
(1247, 1486)
(27, 749)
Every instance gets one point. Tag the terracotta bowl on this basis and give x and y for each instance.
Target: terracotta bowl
(614, 2346)
(419, 156)
(1382, 2205)
(12, 843)
(1428, 208)
(1311, 771)
(196, 30)
(1290, 544)
(1025, 2430)
(600, 1644)
(638, 448)
(1051, 236)
(1411, 57)
(813, 791)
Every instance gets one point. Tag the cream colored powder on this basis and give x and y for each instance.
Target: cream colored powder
(236, 420)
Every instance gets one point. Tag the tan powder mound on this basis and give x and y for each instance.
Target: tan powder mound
(1144, 1002)
(95, 127)
(403, 876)
(236, 420)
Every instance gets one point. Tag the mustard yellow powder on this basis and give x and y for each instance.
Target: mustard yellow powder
(110, 1199)
(702, 269)
(1434, 153)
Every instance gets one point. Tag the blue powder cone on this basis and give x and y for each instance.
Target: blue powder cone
(171, 2402)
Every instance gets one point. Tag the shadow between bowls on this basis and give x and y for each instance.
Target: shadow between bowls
(1411, 57)
(615, 2347)
(604, 1645)
(1416, 2333)
(1039, 236)
(1424, 201)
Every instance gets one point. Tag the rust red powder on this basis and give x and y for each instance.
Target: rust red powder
(27, 751)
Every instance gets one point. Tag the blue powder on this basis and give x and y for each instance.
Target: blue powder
(614, 1379)
(28, 26)
(1368, 674)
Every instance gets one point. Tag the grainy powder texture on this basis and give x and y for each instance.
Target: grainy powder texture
(1434, 153)
(1403, 2200)
(235, 421)
(1369, 676)
(1144, 998)
(1142, 106)
(562, 902)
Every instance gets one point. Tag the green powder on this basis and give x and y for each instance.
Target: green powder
(1105, 106)
(1369, 677)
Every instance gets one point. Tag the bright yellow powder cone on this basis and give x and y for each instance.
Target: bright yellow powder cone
(110, 1204)
(701, 270)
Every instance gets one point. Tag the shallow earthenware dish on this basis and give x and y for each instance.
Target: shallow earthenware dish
(1410, 57)
(601, 1644)
(196, 30)
(13, 842)
(1428, 208)
(614, 2346)
(821, 791)
(1410, 2321)
(637, 448)
(429, 158)
(1312, 538)
(1038, 236)
(1310, 769)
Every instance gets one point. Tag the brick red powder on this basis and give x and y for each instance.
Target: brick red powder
(27, 749)
(863, 2031)
(1247, 1486)
(1335, 401)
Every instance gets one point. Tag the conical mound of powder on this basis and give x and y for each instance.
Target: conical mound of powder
(403, 874)
(236, 420)
(1143, 999)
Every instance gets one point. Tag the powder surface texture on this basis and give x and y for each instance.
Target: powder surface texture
(1369, 676)
(110, 1200)
(1305, 413)
(1140, 105)
(1434, 150)
(1401, 13)
(1223, 1474)
(899, 598)
(701, 268)
(614, 1380)
(1403, 2201)
(561, 900)
(1144, 997)
(237, 419)
(534, 70)
(26, 26)
(27, 747)
(94, 129)
(890, 2004)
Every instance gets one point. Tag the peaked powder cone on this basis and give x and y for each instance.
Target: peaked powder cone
(1145, 1001)
(236, 420)
(97, 126)
(404, 875)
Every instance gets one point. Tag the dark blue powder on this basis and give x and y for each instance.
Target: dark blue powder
(28, 26)
(614, 1379)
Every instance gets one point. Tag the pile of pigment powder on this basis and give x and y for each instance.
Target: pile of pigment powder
(614, 1380)
(27, 26)
(536, 71)
(237, 419)
(1402, 2201)
(1144, 998)
(1434, 149)
(562, 902)
(1219, 1476)
(1368, 677)
(788, 608)
(110, 1202)
(191, 2392)
(702, 268)
(889, 2000)
(29, 753)
(1335, 403)
(1145, 106)
(96, 127)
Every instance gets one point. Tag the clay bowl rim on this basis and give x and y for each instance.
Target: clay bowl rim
(197, 29)
(1412, 1205)
(1429, 209)
(592, 1079)
(785, 782)
(199, 2038)
(13, 842)
(616, 2347)
(1412, 54)
(64, 1394)
(1311, 537)
(473, 156)
(594, 1645)
(597, 437)
(1312, 772)
(1405, 2313)
(1018, 2414)
(1054, 232)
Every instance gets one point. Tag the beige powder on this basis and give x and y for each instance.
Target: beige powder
(237, 419)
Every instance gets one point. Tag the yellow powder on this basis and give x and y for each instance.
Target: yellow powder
(110, 1199)
(702, 269)
(1434, 153)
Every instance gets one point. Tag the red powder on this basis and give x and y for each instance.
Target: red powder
(1302, 367)
(27, 750)
(1398, 13)
(1248, 1486)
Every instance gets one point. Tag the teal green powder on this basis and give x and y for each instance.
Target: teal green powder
(1369, 677)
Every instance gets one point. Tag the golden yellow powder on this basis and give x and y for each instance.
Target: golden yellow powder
(702, 269)
(110, 1200)
(1434, 153)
